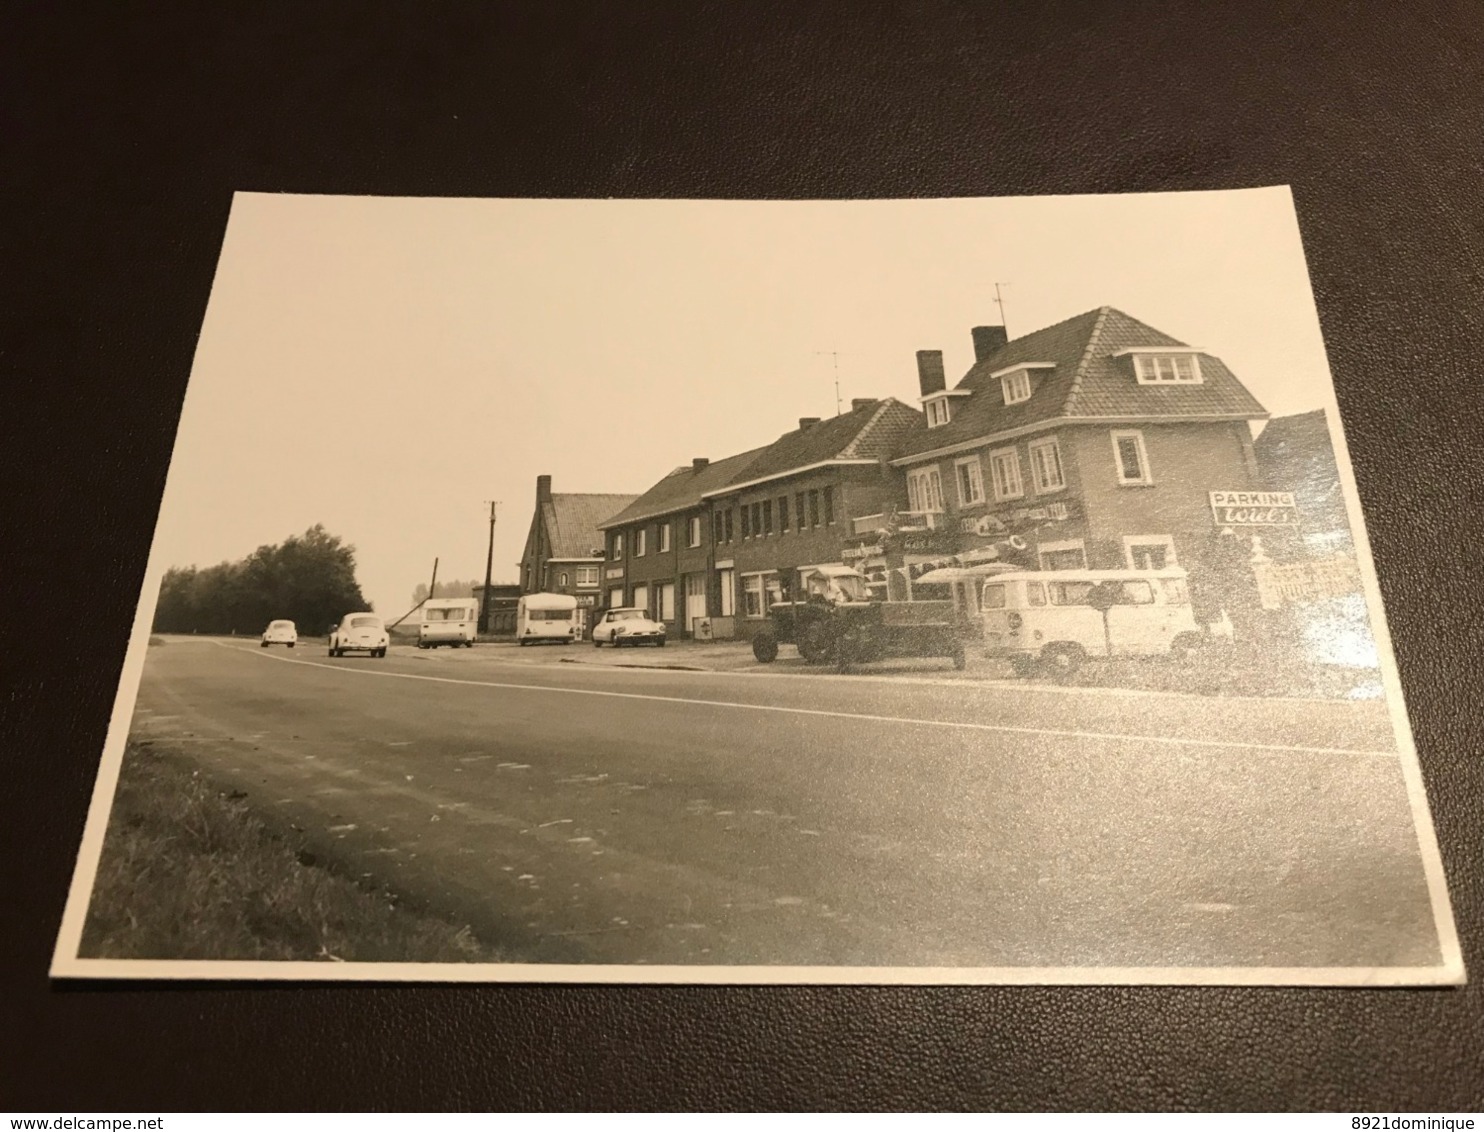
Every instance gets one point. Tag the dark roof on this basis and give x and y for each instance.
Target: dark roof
(1302, 434)
(868, 433)
(1085, 380)
(681, 489)
(573, 522)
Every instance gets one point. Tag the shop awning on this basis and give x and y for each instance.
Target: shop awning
(947, 574)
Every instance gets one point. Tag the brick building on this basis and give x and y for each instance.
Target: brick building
(564, 547)
(1096, 441)
(715, 542)
(1295, 454)
(502, 606)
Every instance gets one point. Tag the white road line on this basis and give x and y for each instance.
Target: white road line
(997, 728)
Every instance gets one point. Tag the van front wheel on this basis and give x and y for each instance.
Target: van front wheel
(1185, 646)
(1063, 659)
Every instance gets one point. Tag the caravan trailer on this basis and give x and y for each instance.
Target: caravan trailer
(547, 617)
(448, 621)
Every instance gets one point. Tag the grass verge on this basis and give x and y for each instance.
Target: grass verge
(189, 872)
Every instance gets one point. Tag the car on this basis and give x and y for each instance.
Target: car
(359, 632)
(280, 633)
(628, 627)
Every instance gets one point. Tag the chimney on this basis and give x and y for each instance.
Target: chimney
(698, 463)
(807, 422)
(543, 489)
(987, 339)
(859, 403)
(930, 377)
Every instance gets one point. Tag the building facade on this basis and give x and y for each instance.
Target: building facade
(1095, 443)
(564, 546)
(504, 597)
(709, 546)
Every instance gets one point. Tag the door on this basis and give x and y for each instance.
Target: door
(695, 600)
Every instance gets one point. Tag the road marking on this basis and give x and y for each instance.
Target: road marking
(997, 728)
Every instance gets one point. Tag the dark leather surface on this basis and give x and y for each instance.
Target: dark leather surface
(125, 129)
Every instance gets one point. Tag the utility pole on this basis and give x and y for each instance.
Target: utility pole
(835, 355)
(1000, 302)
(433, 585)
(431, 590)
(489, 572)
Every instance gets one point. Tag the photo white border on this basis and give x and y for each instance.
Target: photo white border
(68, 964)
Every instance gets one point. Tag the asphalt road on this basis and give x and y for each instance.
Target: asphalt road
(575, 813)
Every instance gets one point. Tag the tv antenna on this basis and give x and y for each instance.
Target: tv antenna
(835, 357)
(1000, 302)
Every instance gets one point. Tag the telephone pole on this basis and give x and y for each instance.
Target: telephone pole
(489, 571)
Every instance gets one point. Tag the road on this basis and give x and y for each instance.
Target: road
(575, 813)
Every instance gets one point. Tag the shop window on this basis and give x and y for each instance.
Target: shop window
(641, 598)
(752, 596)
(1149, 552)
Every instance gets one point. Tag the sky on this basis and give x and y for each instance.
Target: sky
(389, 366)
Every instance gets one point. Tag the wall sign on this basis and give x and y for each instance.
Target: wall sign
(1254, 508)
(615, 572)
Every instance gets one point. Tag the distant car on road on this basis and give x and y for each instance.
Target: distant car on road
(359, 632)
(628, 627)
(280, 633)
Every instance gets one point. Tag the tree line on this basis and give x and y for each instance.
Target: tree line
(445, 589)
(309, 579)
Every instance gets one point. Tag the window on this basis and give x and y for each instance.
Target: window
(641, 540)
(829, 506)
(799, 511)
(767, 516)
(727, 580)
(718, 527)
(937, 412)
(1130, 459)
(664, 537)
(729, 524)
(528, 578)
(1149, 552)
(814, 508)
(641, 597)
(615, 552)
(665, 601)
(1069, 593)
(994, 596)
(587, 576)
(924, 490)
(783, 514)
(752, 596)
(773, 587)
(1046, 466)
(746, 521)
(1167, 369)
(563, 579)
(1068, 555)
(757, 520)
(693, 531)
(1035, 593)
(970, 479)
(548, 615)
(1174, 590)
(1004, 467)
(615, 597)
(1017, 386)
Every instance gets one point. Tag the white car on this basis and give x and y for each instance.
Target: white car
(280, 633)
(359, 632)
(628, 627)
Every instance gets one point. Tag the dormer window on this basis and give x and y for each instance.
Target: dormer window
(937, 412)
(1015, 381)
(1165, 365)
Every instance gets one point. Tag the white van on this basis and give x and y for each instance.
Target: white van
(1056, 617)
(448, 621)
(546, 617)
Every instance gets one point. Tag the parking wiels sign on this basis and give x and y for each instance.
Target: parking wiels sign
(1254, 508)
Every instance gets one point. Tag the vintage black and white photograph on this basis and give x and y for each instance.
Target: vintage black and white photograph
(939, 591)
